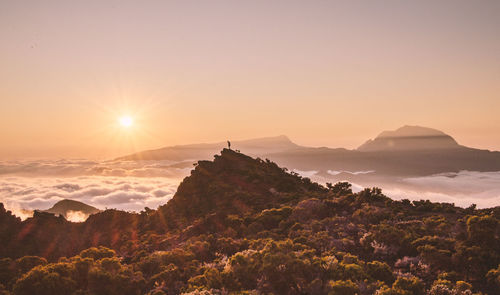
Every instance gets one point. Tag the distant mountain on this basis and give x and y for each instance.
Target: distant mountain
(407, 151)
(72, 210)
(410, 138)
(205, 151)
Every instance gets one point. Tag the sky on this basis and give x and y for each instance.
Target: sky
(325, 73)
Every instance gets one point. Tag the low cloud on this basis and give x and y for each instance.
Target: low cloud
(125, 193)
(68, 187)
(309, 173)
(461, 188)
(26, 186)
(335, 172)
(76, 216)
(71, 168)
(463, 182)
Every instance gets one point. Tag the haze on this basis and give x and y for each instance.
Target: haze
(334, 73)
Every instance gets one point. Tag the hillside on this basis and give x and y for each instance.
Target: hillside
(239, 225)
(234, 183)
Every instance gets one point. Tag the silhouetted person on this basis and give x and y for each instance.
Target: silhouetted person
(228, 144)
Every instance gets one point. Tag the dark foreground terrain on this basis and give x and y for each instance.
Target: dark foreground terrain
(240, 225)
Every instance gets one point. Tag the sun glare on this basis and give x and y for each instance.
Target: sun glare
(126, 121)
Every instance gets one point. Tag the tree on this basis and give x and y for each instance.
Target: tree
(343, 288)
(482, 230)
(380, 271)
(340, 188)
(7, 272)
(493, 277)
(409, 285)
(52, 279)
(25, 263)
(97, 253)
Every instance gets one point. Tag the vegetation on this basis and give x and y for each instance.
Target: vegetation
(239, 225)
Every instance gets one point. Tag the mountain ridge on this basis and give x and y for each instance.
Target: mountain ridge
(406, 151)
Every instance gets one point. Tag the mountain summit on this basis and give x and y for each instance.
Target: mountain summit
(408, 138)
(233, 183)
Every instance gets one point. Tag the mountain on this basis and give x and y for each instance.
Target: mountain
(233, 183)
(401, 163)
(239, 225)
(410, 138)
(407, 151)
(205, 151)
(72, 210)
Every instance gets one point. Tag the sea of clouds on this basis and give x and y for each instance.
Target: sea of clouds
(461, 188)
(126, 185)
(69, 168)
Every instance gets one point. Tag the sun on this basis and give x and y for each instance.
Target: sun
(126, 121)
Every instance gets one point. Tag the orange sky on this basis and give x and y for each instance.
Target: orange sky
(325, 73)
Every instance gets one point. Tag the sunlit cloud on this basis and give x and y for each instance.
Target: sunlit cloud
(463, 188)
(83, 167)
(130, 186)
(76, 216)
(335, 172)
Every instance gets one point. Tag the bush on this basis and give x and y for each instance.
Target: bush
(343, 288)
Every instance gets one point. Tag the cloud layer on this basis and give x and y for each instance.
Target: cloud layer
(463, 188)
(126, 193)
(131, 186)
(69, 168)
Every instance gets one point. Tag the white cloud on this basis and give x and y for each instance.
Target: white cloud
(310, 173)
(25, 186)
(68, 187)
(335, 172)
(68, 168)
(463, 182)
(463, 188)
(125, 193)
(76, 216)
